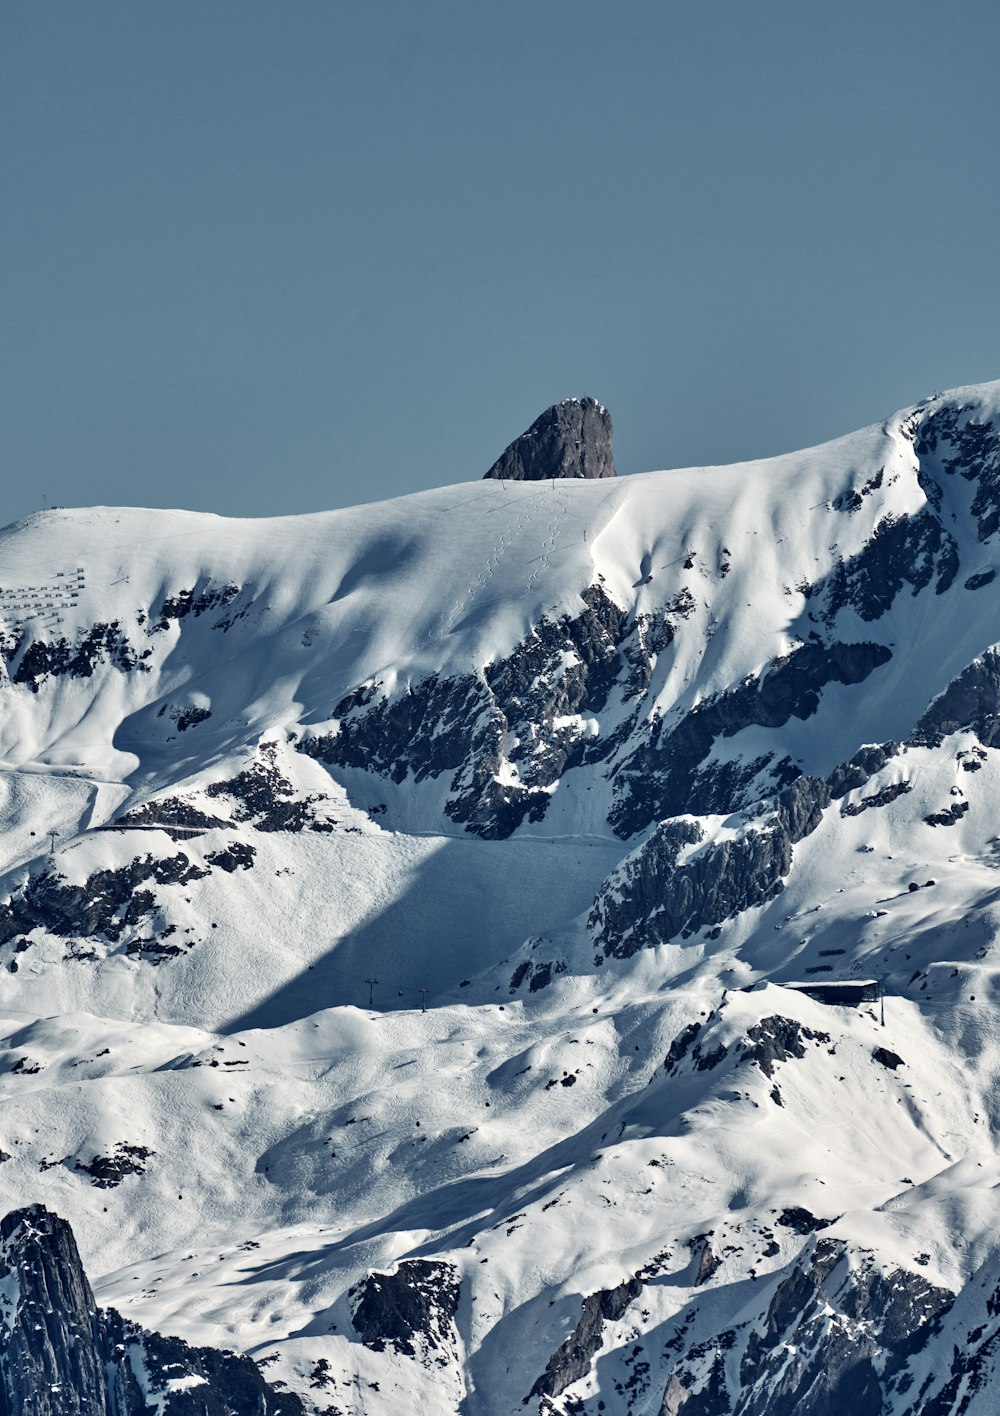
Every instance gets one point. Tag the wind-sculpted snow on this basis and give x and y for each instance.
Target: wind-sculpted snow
(530, 946)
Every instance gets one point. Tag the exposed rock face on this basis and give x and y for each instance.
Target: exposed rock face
(975, 456)
(949, 815)
(776, 1039)
(834, 1335)
(107, 1171)
(40, 660)
(197, 601)
(171, 811)
(108, 904)
(411, 1311)
(266, 799)
(527, 712)
(50, 1350)
(971, 700)
(862, 766)
(652, 898)
(904, 551)
(508, 735)
(60, 1355)
(680, 1046)
(882, 798)
(572, 1360)
(973, 1342)
(238, 856)
(570, 439)
(665, 775)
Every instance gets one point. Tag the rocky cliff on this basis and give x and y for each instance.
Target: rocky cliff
(60, 1355)
(570, 439)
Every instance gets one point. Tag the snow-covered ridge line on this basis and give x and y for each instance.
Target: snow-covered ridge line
(405, 912)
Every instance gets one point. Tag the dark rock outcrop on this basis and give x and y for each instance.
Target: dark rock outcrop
(266, 799)
(706, 1263)
(236, 856)
(650, 898)
(524, 711)
(664, 776)
(969, 1365)
(982, 578)
(411, 1311)
(971, 700)
(107, 1171)
(51, 1357)
(108, 904)
(833, 1334)
(974, 450)
(914, 550)
(60, 1355)
(881, 798)
(508, 734)
(570, 439)
(800, 1220)
(903, 551)
(101, 643)
(572, 1360)
(680, 1046)
(538, 972)
(948, 815)
(775, 1039)
(169, 811)
(859, 769)
(197, 601)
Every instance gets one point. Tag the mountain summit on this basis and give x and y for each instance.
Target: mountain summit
(571, 439)
(539, 961)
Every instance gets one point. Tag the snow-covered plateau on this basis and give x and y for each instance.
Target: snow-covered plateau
(399, 908)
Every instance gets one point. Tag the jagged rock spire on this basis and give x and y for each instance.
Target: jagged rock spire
(570, 439)
(51, 1360)
(61, 1355)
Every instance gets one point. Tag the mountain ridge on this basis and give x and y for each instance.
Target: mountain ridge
(584, 770)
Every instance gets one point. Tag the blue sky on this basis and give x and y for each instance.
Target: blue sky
(275, 257)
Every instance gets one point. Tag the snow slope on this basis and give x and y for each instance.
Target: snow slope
(553, 774)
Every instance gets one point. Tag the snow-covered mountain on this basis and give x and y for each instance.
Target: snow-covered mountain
(399, 906)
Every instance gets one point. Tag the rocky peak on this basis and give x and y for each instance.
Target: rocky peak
(50, 1361)
(60, 1355)
(570, 439)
